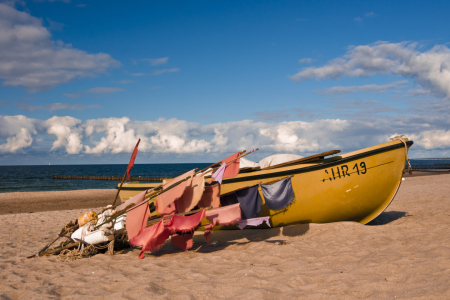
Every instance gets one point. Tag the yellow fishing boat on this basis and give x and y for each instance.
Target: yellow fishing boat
(355, 186)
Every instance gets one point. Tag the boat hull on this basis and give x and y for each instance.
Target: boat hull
(357, 187)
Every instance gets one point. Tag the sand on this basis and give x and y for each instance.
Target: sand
(30, 202)
(403, 254)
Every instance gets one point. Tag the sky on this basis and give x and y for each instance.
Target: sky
(82, 81)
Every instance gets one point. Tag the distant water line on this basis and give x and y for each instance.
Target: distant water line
(38, 178)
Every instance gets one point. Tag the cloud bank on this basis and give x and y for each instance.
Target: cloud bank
(179, 137)
(31, 59)
(429, 69)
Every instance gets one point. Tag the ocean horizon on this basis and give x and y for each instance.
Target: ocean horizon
(34, 178)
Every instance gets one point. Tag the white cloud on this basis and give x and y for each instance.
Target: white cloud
(418, 92)
(117, 139)
(375, 88)
(54, 106)
(182, 138)
(18, 131)
(30, 58)
(159, 72)
(433, 139)
(97, 90)
(156, 61)
(430, 69)
(306, 60)
(67, 133)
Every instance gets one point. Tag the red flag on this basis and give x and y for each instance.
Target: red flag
(133, 157)
(232, 168)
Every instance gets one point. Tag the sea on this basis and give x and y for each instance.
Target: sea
(39, 178)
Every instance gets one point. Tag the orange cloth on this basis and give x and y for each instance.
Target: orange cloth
(232, 168)
(210, 197)
(192, 194)
(169, 197)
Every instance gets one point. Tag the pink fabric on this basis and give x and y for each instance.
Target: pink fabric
(253, 222)
(232, 168)
(184, 242)
(135, 200)
(185, 224)
(192, 194)
(225, 215)
(137, 219)
(170, 196)
(210, 197)
(208, 229)
(218, 175)
(170, 209)
(151, 238)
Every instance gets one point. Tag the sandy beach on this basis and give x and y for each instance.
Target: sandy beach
(402, 254)
(31, 202)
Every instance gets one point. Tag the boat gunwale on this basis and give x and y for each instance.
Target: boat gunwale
(318, 166)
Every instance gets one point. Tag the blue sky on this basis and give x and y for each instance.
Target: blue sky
(82, 81)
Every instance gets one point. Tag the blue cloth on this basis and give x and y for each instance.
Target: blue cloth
(251, 202)
(249, 198)
(278, 195)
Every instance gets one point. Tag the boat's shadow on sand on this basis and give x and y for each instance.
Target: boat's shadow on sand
(222, 239)
(388, 217)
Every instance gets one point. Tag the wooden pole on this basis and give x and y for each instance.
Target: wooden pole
(120, 186)
(123, 179)
(153, 221)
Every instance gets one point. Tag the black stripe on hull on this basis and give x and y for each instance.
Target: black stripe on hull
(318, 167)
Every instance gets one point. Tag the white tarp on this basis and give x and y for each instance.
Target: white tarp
(269, 161)
(246, 163)
(277, 159)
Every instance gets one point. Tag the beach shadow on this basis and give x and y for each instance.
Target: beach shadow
(295, 230)
(387, 217)
(221, 239)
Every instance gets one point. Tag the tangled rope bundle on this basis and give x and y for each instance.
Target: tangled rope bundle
(71, 255)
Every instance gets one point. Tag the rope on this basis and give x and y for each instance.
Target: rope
(70, 255)
(400, 137)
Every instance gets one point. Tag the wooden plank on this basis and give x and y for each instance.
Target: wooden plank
(304, 159)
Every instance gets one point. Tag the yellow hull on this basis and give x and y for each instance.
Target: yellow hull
(356, 186)
(130, 189)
